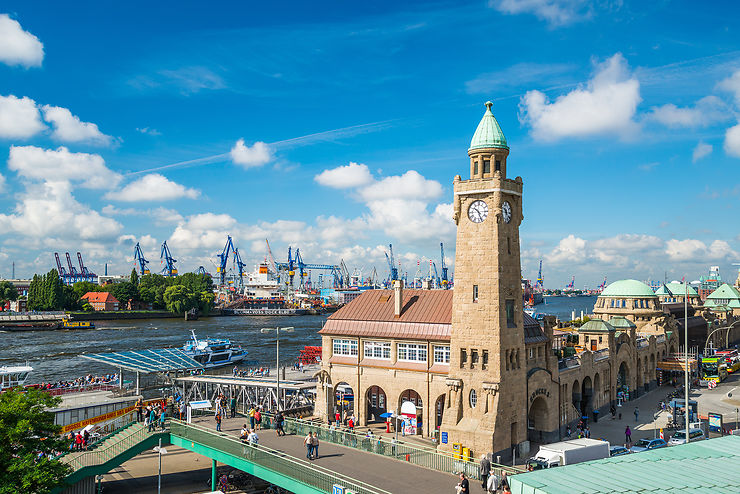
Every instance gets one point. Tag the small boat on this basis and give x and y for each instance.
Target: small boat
(213, 352)
(67, 324)
(14, 375)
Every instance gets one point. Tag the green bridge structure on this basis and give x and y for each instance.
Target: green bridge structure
(352, 462)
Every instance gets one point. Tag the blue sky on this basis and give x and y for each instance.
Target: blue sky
(338, 128)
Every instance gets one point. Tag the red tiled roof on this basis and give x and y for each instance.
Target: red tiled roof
(99, 297)
(419, 306)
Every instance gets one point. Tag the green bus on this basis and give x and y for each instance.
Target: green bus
(714, 369)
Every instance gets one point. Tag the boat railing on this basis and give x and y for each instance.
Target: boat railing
(78, 389)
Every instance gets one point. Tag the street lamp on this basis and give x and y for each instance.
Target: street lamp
(277, 330)
(160, 451)
(727, 336)
(686, 354)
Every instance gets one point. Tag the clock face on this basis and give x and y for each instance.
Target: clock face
(506, 211)
(478, 211)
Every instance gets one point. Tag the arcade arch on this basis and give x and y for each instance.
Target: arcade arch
(377, 404)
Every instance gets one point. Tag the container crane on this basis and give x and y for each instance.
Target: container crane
(239, 266)
(73, 274)
(436, 275)
(85, 273)
(139, 257)
(391, 265)
(63, 275)
(445, 280)
(224, 259)
(570, 285)
(169, 267)
(296, 262)
(540, 281)
(201, 270)
(603, 285)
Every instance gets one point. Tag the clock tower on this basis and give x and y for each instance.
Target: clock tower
(485, 404)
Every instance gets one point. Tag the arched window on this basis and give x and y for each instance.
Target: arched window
(473, 398)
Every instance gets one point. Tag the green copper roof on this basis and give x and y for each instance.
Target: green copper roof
(663, 290)
(628, 288)
(709, 466)
(489, 133)
(678, 289)
(621, 322)
(596, 326)
(724, 292)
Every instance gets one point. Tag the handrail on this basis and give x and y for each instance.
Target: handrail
(100, 440)
(417, 455)
(101, 455)
(276, 461)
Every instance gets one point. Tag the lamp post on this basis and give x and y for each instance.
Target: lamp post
(160, 451)
(727, 336)
(277, 330)
(686, 354)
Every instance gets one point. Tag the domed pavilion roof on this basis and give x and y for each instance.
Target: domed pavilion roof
(621, 323)
(489, 133)
(677, 289)
(628, 289)
(596, 326)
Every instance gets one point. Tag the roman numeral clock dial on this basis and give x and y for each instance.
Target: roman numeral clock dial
(506, 211)
(478, 211)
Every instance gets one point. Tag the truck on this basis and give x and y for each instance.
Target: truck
(568, 453)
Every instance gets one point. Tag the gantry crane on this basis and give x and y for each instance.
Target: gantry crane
(445, 280)
(169, 262)
(139, 257)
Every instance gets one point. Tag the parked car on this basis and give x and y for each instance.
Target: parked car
(618, 451)
(679, 437)
(648, 444)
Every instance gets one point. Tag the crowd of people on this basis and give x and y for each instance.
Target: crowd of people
(152, 414)
(80, 382)
(252, 372)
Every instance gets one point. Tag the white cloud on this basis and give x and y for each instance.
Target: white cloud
(606, 105)
(203, 231)
(555, 12)
(19, 47)
(706, 111)
(49, 210)
(702, 150)
(161, 216)
(732, 84)
(19, 117)
(695, 250)
(571, 249)
(153, 187)
(344, 177)
(732, 141)
(69, 128)
(148, 131)
(2, 183)
(411, 185)
(247, 157)
(60, 164)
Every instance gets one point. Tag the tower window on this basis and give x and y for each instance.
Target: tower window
(510, 321)
(484, 364)
(475, 168)
(473, 398)
(463, 357)
(473, 358)
(498, 165)
(475, 293)
(486, 166)
(508, 245)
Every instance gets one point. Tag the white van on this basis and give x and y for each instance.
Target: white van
(679, 437)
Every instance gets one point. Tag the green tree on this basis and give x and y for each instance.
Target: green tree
(179, 299)
(8, 292)
(134, 277)
(82, 287)
(205, 302)
(124, 292)
(27, 430)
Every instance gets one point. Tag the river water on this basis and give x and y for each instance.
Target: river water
(55, 355)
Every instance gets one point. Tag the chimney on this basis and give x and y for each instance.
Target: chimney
(398, 296)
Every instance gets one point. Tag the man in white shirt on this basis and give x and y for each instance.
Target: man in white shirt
(252, 438)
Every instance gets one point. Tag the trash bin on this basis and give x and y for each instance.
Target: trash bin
(596, 416)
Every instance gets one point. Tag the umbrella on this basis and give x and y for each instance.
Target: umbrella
(387, 414)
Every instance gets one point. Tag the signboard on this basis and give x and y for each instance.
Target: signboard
(444, 438)
(409, 426)
(199, 405)
(715, 422)
(337, 489)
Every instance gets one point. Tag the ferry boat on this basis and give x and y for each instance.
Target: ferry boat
(213, 352)
(14, 375)
(67, 324)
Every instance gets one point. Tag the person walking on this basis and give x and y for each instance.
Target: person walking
(251, 418)
(244, 433)
(485, 471)
(78, 441)
(337, 417)
(232, 405)
(218, 422)
(628, 435)
(258, 419)
(614, 412)
(637, 413)
(568, 432)
(351, 424)
(309, 445)
(279, 419)
(253, 438)
(463, 487)
(315, 444)
(152, 419)
(162, 419)
(139, 410)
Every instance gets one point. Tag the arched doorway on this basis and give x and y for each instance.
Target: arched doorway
(623, 382)
(587, 393)
(537, 420)
(344, 400)
(576, 397)
(408, 401)
(598, 392)
(439, 408)
(376, 404)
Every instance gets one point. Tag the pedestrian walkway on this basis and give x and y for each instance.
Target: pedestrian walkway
(379, 471)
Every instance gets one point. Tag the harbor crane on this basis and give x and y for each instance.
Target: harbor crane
(85, 273)
(295, 262)
(239, 266)
(63, 275)
(572, 283)
(540, 281)
(393, 275)
(201, 270)
(73, 274)
(445, 280)
(224, 260)
(603, 284)
(169, 266)
(139, 257)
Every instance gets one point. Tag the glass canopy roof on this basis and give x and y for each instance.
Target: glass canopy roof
(146, 361)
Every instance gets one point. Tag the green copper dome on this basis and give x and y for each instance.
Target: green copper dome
(489, 133)
(628, 289)
(677, 289)
(621, 322)
(596, 326)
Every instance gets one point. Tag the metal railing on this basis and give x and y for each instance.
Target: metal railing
(276, 461)
(422, 456)
(104, 453)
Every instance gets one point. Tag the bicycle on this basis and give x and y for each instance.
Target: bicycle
(274, 489)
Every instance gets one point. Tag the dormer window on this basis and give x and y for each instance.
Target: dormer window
(498, 165)
(486, 166)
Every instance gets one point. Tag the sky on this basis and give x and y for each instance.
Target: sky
(337, 128)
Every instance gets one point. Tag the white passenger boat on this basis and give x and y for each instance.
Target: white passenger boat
(14, 375)
(213, 352)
